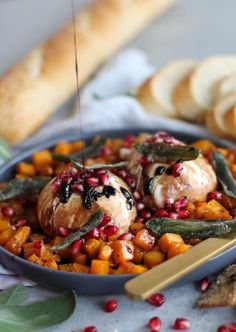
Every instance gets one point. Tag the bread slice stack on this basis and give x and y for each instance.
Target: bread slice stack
(202, 92)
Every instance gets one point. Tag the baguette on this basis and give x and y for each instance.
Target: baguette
(35, 87)
(193, 96)
(156, 93)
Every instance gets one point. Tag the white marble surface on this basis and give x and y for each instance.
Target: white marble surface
(193, 28)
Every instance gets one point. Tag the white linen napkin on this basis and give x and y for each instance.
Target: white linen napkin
(105, 104)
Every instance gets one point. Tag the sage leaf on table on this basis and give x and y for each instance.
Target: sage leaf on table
(19, 187)
(34, 316)
(5, 151)
(224, 174)
(14, 295)
(163, 152)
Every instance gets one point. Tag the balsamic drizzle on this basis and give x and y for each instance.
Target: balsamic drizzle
(128, 197)
(90, 194)
(65, 193)
(147, 186)
(159, 170)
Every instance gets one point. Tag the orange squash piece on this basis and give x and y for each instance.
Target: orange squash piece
(122, 251)
(65, 267)
(177, 248)
(167, 239)
(212, 210)
(79, 258)
(25, 169)
(105, 252)
(42, 158)
(35, 259)
(136, 227)
(15, 243)
(204, 145)
(91, 248)
(144, 240)
(4, 224)
(51, 264)
(76, 146)
(79, 268)
(99, 267)
(153, 258)
(138, 255)
(5, 236)
(63, 148)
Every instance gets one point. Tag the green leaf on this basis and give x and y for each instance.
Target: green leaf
(39, 315)
(224, 174)
(14, 295)
(5, 151)
(27, 186)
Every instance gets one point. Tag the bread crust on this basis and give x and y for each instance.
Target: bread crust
(35, 87)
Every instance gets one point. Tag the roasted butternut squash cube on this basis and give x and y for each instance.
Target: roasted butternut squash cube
(138, 255)
(65, 267)
(105, 252)
(45, 170)
(29, 249)
(25, 169)
(138, 269)
(46, 255)
(63, 148)
(76, 146)
(144, 240)
(42, 158)
(212, 210)
(51, 264)
(130, 268)
(177, 248)
(136, 227)
(99, 267)
(4, 224)
(153, 258)
(80, 268)
(5, 236)
(35, 259)
(167, 239)
(204, 145)
(79, 258)
(15, 243)
(91, 248)
(122, 251)
(63, 253)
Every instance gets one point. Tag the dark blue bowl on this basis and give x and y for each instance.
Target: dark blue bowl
(87, 283)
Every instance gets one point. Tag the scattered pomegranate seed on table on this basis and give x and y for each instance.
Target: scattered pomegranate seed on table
(204, 284)
(8, 211)
(111, 305)
(222, 328)
(154, 324)
(90, 329)
(157, 299)
(232, 327)
(182, 324)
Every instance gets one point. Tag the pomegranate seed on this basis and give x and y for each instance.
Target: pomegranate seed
(106, 219)
(139, 220)
(105, 151)
(146, 213)
(21, 222)
(180, 204)
(111, 305)
(111, 230)
(172, 215)
(156, 299)
(204, 284)
(37, 244)
(130, 181)
(183, 214)
(232, 327)
(64, 231)
(102, 234)
(56, 184)
(182, 324)
(94, 234)
(77, 187)
(92, 181)
(137, 195)
(90, 329)
(128, 141)
(161, 213)
(144, 161)
(7, 211)
(222, 328)
(169, 203)
(122, 173)
(214, 195)
(154, 324)
(140, 206)
(103, 179)
(125, 236)
(177, 169)
(76, 245)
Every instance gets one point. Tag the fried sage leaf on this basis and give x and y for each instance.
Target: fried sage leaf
(38, 315)
(192, 229)
(223, 174)
(98, 166)
(93, 221)
(20, 187)
(163, 152)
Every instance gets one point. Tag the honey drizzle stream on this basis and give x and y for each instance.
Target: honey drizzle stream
(78, 104)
